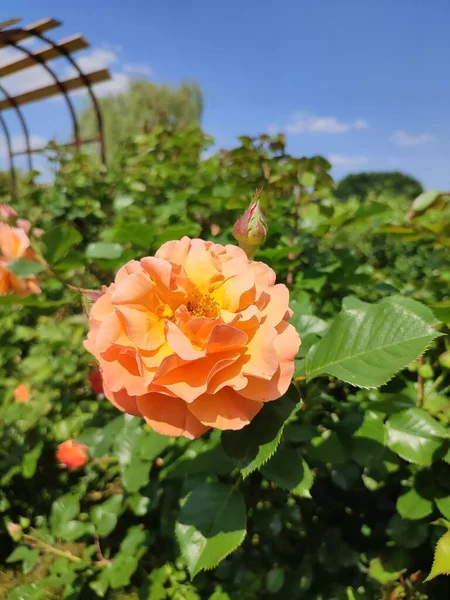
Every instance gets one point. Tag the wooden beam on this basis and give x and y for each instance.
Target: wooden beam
(53, 90)
(40, 27)
(72, 44)
(9, 23)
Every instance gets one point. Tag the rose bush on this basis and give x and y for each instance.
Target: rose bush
(193, 338)
(336, 490)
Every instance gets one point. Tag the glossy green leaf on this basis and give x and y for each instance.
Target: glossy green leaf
(367, 346)
(287, 469)
(104, 250)
(413, 306)
(253, 445)
(212, 523)
(23, 267)
(412, 505)
(58, 241)
(443, 504)
(441, 563)
(104, 516)
(415, 436)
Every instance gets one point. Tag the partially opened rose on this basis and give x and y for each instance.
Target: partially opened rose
(192, 338)
(14, 244)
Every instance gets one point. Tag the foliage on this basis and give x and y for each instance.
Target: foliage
(142, 108)
(391, 183)
(338, 490)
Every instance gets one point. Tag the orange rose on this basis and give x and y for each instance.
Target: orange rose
(193, 338)
(72, 454)
(22, 393)
(14, 244)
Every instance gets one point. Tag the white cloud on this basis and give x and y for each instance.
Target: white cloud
(304, 123)
(98, 58)
(401, 138)
(138, 69)
(18, 143)
(342, 160)
(25, 80)
(119, 82)
(102, 58)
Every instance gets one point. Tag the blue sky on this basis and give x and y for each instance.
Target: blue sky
(364, 83)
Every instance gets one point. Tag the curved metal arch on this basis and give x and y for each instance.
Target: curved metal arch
(87, 83)
(53, 75)
(23, 123)
(10, 153)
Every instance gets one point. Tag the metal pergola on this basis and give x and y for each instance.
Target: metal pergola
(13, 35)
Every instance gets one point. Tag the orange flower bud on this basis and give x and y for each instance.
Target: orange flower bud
(72, 454)
(251, 229)
(22, 393)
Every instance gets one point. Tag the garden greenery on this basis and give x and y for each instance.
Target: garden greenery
(339, 490)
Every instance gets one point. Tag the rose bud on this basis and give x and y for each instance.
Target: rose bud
(72, 454)
(250, 230)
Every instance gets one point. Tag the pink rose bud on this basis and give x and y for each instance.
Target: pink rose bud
(6, 212)
(251, 229)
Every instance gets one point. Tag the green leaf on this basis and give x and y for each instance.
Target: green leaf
(28, 591)
(30, 461)
(121, 202)
(104, 516)
(23, 267)
(64, 509)
(414, 435)
(212, 523)
(134, 469)
(253, 445)
(426, 199)
(287, 469)
(138, 234)
(412, 505)
(274, 580)
(407, 533)
(104, 250)
(411, 305)
(441, 563)
(443, 504)
(19, 553)
(386, 570)
(153, 445)
(121, 570)
(135, 539)
(73, 530)
(309, 324)
(328, 449)
(58, 242)
(367, 346)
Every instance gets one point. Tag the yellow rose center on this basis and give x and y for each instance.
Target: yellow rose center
(203, 306)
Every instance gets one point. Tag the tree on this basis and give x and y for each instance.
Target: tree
(391, 183)
(141, 108)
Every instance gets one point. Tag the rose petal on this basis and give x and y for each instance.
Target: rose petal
(169, 416)
(225, 410)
